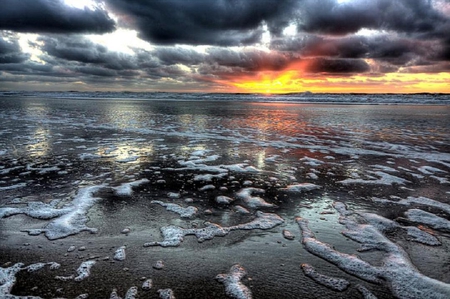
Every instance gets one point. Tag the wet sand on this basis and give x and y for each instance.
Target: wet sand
(369, 158)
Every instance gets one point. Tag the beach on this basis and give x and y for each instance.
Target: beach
(223, 199)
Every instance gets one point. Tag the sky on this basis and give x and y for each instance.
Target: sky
(261, 46)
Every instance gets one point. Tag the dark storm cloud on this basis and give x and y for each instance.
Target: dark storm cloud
(80, 49)
(10, 52)
(251, 60)
(383, 47)
(406, 16)
(203, 22)
(337, 66)
(52, 16)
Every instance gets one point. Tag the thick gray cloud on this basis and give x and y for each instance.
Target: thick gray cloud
(204, 22)
(407, 36)
(10, 52)
(337, 66)
(383, 47)
(80, 49)
(406, 16)
(52, 16)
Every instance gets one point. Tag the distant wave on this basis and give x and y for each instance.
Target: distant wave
(303, 97)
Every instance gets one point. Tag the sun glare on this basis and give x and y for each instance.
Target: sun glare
(81, 4)
(129, 40)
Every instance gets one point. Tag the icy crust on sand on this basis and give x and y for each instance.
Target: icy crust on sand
(298, 188)
(336, 284)
(234, 288)
(429, 219)
(188, 212)
(401, 276)
(253, 202)
(8, 277)
(74, 221)
(174, 235)
(126, 189)
(383, 179)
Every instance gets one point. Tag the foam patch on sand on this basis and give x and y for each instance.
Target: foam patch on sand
(36, 209)
(188, 212)
(8, 277)
(383, 179)
(166, 294)
(126, 189)
(120, 254)
(298, 188)
(174, 235)
(234, 288)
(365, 292)
(401, 276)
(336, 284)
(13, 187)
(387, 225)
(130, 294)
(416, 200)
(428, 219)
(224, 200)
(253, 202)
(83, 272)
(74, 221)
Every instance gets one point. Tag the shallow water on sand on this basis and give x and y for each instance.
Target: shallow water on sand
(236, 199)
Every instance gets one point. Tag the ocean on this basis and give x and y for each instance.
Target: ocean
(162, 195)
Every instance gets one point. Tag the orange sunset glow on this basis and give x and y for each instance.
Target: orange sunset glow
(294, 79)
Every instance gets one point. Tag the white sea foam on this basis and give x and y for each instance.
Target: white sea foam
(416, 200)
(209, 177)
(224, 200)
(303, 187)
(234, 288)
(383, 179)
(336, 284)
(429, 219)
(288, 235)
(37, 210)
(8, 278)
(84, 270)
(401, 276)
(430, 170)
(187, 212)
(174, 235)
(253, 202)
(207, 188)
(12, 187)
(365, 292)
(131, 293)
(74, 221)
(166, 294)
(126, 189)
(386, 225)
(120, 254)
(147, 284)
(128, 159)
